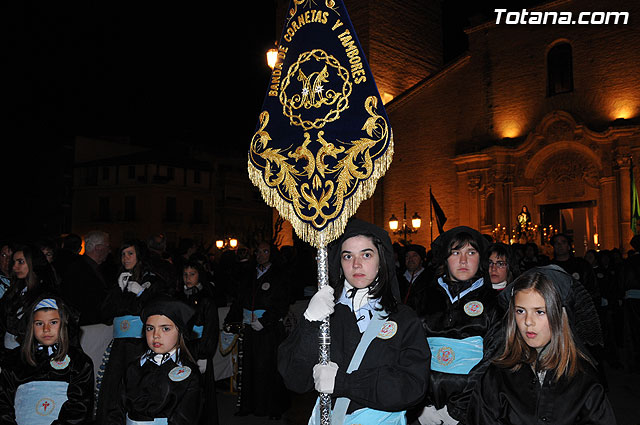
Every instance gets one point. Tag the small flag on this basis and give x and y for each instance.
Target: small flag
(440, 217)
(635, 203)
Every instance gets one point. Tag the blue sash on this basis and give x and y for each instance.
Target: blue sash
(127, 327)
(632, 294)
(249, 316)
(39, 402)
(365, 415)
(156, 421)
(457, 356)
(198, 330)
(10, 341)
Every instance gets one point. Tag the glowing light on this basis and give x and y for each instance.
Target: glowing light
(272, 57)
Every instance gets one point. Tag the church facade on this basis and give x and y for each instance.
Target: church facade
(542, 116)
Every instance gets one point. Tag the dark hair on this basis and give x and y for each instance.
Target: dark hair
(40, 271)
(30, 343)
(193, 264)
(381, 288)
(142, 259)
(564, 235)
(458, 241)
(563, 353)
(504, 251)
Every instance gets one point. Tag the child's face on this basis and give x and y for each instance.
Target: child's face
(531, 317)
(162, 334)
(191, 277)
(360, 261)
(46, 326)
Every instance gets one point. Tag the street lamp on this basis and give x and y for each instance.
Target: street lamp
(227, 242)
(406, 229)
(272, 57)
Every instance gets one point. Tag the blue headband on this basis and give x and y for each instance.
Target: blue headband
(46, 303)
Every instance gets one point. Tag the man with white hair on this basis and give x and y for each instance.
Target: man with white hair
(84, 286)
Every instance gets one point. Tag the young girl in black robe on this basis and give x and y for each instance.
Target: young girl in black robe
(379, 362)
(543, 374)
(162, 387)
(46, 381)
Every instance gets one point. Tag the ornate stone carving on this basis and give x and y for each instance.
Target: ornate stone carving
(565, 175)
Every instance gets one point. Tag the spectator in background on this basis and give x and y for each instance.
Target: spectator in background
(5, 267)
(157, 247)
(69, 250)
(416, 277)
(84, 285)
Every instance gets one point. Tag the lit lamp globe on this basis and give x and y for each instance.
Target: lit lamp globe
(272, 57)
(393, 222)
(416, 221)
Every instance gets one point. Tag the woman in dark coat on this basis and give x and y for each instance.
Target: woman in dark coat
(379, 364)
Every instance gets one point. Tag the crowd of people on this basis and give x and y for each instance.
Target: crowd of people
(469, 331)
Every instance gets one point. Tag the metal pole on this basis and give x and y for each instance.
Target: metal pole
(324, 336)
(430, 215)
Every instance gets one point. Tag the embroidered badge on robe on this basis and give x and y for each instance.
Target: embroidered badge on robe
(473, 308)
(445, 356)
(265, 286)
(388, 330)
(45, 406)
(179, 373)
(59, 365)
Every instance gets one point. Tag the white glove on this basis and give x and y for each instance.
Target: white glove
(123, 279)
(324, 377)
(430, 416)
(321, 305)
(446, 418)
(202, 365)
(256, 325)
(134, 287)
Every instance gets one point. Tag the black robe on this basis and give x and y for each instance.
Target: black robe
(148, 392)
(78, 409)
(517, 398)
(123, 350)
(204, 348)
(392, 376)
(261, 389)
(444, 319)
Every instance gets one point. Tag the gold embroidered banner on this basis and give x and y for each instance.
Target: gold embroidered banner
(323, 138)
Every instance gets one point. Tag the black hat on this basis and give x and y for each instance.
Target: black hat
(439, 246)
(419, 249)
(176, 310)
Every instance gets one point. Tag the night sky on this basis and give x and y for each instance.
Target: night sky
(171, 74)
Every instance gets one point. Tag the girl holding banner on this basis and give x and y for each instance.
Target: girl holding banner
(379, 357)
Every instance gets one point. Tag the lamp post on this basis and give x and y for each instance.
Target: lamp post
(406, 228)
(272, 57)
(227, 242)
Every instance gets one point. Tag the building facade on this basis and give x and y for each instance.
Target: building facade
(543, 116)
